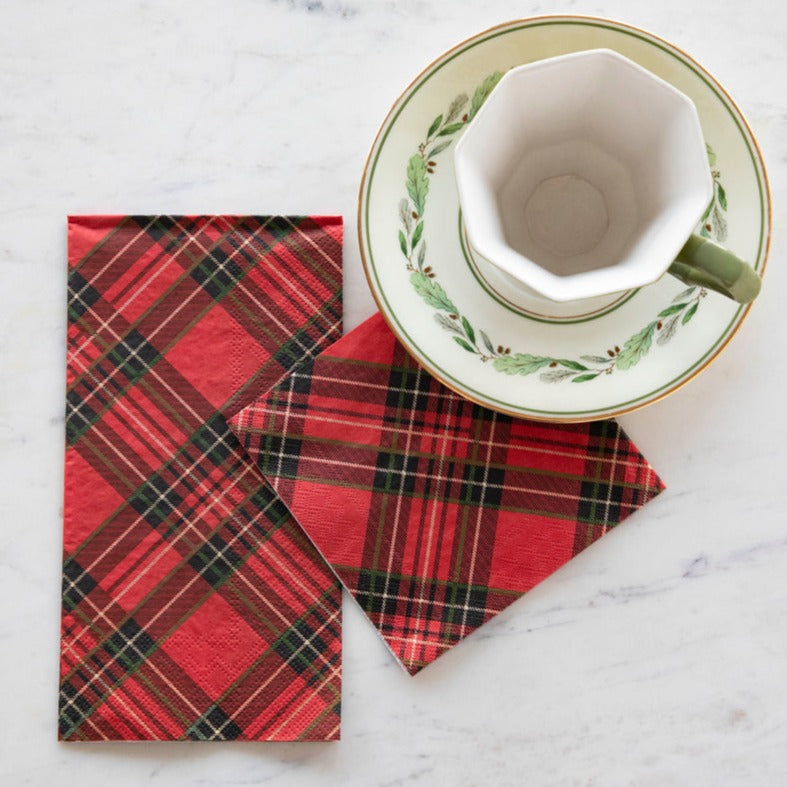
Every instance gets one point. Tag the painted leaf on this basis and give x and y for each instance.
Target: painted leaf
(635, 349)
(690, 313)
(435, 125)
(438, 148)
(450, 129)
(719, 224)
(463, 344)
(482, 93)
(711, 154)
(487, 343)
(455, 107)
(468, 329)
(404, 215)
(421, 255)
(419, 230)
(402, 243)
(556, 376)
(584, 378)
(681, 296)
(447, 323)
(432, 292)
(707, 212)
(577, 367)
(722, 195)
(520, 363)
(674, 309)
(594, 358)
(704, 232)
(668, 331)
(417, 183)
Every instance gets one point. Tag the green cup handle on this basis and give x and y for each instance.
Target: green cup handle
(705, 263)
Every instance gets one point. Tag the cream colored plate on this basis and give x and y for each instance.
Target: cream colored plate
(472, 327)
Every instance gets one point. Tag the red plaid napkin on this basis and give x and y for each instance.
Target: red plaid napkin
(193, 605)
(434, 512)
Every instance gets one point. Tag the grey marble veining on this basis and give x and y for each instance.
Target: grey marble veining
(655, 658)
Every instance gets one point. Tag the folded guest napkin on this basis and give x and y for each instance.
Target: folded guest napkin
(434, 512)
(193, 605)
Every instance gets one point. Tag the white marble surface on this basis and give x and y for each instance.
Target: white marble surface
(655, 658)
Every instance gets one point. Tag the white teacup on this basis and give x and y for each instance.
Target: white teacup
(584, 175)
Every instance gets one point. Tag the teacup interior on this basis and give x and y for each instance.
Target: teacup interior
(588, 166)
(570, 206)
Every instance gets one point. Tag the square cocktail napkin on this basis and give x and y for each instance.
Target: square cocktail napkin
(434, 512)
(193, 605)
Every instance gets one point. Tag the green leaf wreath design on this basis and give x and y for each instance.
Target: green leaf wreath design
(422, 164)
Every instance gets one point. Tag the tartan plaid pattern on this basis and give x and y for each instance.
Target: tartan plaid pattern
(434, 512)
(194, 607)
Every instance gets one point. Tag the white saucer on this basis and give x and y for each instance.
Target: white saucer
(469, 324)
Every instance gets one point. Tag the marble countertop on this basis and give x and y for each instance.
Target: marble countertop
(657, 657)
